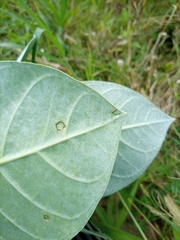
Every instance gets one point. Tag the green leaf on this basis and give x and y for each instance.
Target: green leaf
(143, 133)
(58, 144)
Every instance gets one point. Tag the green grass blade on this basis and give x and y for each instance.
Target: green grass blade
(176, 234)
(101, 214)
(50, 5)
(38, 32)
(11, 45)
(42, 25)
(160, 214)
(115, 233)
(32, 14)
(63, 9)
(124, 213)
(97, 234)
(27, 50)
(148, 222)
(13, 16)
(31, 46)
(132, 217)
(110, 213)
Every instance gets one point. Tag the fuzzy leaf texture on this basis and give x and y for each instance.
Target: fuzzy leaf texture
(143, 133)
(58, 144)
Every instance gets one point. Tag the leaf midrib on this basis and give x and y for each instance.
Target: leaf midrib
(57, 141)
(126, 127)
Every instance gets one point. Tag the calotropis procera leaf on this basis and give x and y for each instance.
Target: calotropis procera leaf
(58, 144)
(143, 132)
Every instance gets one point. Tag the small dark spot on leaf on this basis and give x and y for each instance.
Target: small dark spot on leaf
(116, 111)
(46, 217)
(60, 126)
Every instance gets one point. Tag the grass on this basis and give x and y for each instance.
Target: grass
(134, 43)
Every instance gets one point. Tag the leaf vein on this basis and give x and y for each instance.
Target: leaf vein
(26, 196)
(78, 179)
(16, 225)
(17, 107)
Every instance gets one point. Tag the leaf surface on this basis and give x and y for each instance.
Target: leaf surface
(143, 133)
(58, 144)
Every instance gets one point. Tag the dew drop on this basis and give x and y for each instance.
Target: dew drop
(60, 126)
(46, 217)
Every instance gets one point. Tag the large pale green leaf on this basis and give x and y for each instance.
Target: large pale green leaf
(58, 144)
(143, 132)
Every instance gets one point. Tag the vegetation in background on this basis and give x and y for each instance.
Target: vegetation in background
(136, 44)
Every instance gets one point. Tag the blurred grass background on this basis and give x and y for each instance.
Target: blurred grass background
(133, 43)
